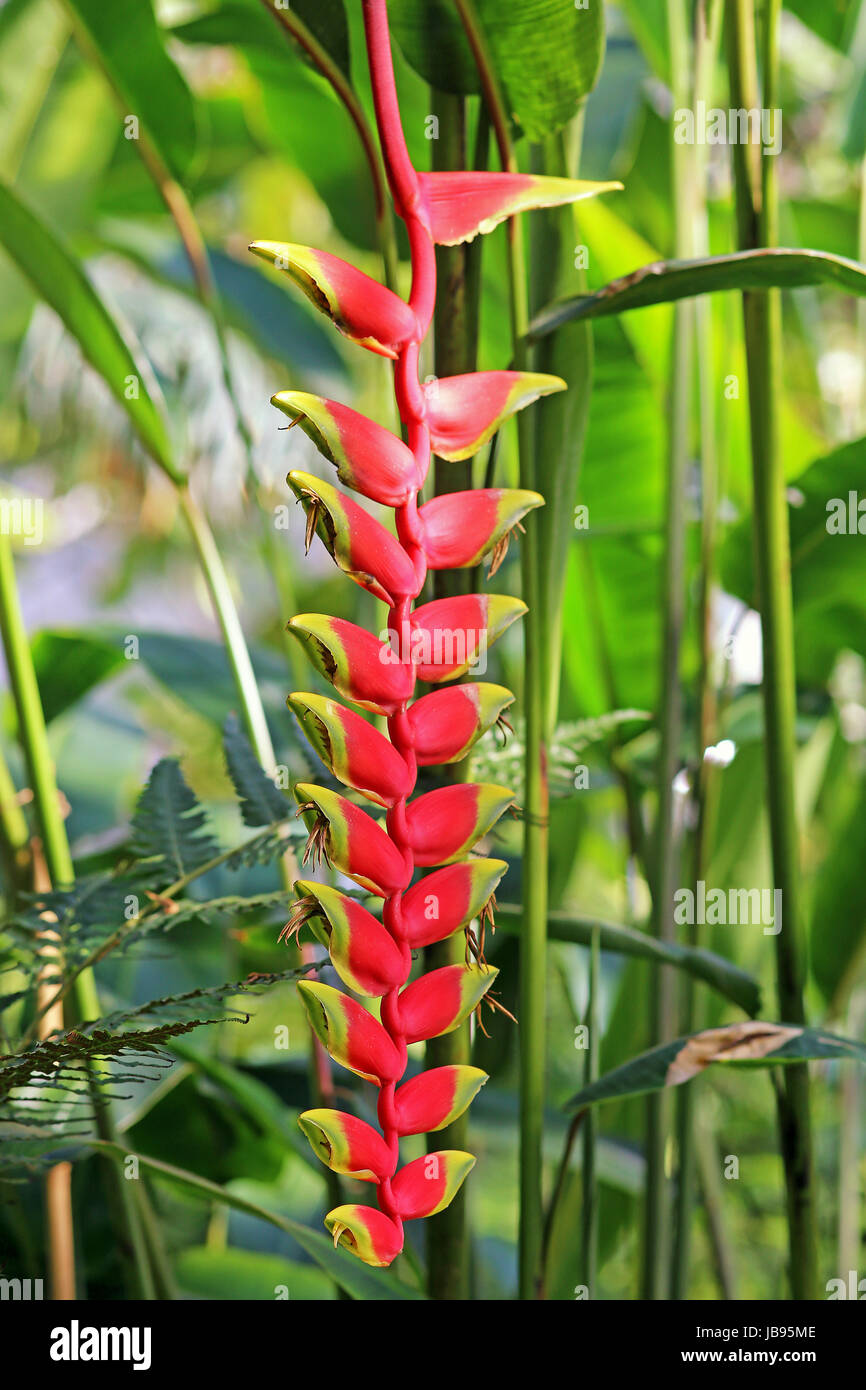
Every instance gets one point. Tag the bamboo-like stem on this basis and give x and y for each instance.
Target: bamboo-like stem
(31, 723)
(849, 1239)
(227, 617)
(59, 870)
(756, 225)
(454, 353)
(656, 1252)
(707, 23)
(559, 1185)
(57, 1193)
(533, 948)
(589, 1211)
(712, 1195)
(14, 835)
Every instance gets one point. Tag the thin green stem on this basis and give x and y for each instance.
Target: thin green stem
(708, 1163)
(756, 221)
(226, 613)
(589, 1210)
(14, 835)
(656, 1251)
(31, 723)
(455, 337)
(533, 949)
(707, 23)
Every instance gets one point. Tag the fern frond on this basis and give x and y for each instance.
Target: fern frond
(170, 824)
(260, 801)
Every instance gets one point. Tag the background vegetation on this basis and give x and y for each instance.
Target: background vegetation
(149, 149)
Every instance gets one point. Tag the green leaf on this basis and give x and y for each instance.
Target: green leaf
(838, 921)
(68, 664)
(60, 280)
(128, 44)
(261, 803)
(720, 974)
(212, 1273)
(826, 560)
(170, 824)
(664, 282)
(245, 24)
(547, 53)
(359, 1280)
(676, 1062)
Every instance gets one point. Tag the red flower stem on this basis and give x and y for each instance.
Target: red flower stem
(411, 404)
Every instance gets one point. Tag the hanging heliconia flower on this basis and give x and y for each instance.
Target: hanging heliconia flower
(439, 641)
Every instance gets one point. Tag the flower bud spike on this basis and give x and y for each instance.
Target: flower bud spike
(352, 1036)
(450, 636)
(366, 1232)
(359, 544)
(362, 952)
(446, 723)
(465, 411)
(434, 1099)
(353, 749)
(358, 665)
(347, 1145)
(363, 310)
(440, 903)
(460, 528)
(429, 1184)
(436, 643)
(446, 823)
(350, 840)
(465, 203)
(368, 458)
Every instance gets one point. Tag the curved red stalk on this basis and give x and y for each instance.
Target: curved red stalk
(412, 406)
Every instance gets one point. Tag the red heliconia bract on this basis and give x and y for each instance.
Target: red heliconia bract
(437, 642)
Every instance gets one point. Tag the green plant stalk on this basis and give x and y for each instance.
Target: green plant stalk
(559, 434)
(707, 23)
(713, 1197)
(58, 860)
(757, 216)
(455, 337)
(589, 1210)
(533, 953)
(532, 997)
(560, 428)
(656, 1248)
(14, 835)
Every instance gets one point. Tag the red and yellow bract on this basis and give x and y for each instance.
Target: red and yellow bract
(437, 642)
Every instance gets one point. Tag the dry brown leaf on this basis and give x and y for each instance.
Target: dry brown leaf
(740, 1042)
